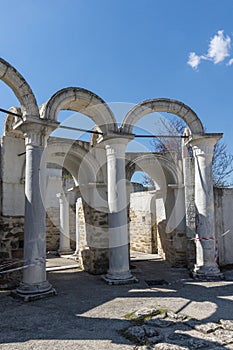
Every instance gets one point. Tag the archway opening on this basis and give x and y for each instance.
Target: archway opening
(157, 211)
(142, 215)
(73, 125)
(58, 181)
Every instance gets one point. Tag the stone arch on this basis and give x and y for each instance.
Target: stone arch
(146, 161)
(164, 174)
(20, 87)
(83, 101)
(162, 105)
(70, 154)
(9, 122)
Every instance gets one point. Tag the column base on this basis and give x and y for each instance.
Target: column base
(65, 252)
(110, 280)
(30, 292)
(76, 253)
(32, 297)
(207, 273)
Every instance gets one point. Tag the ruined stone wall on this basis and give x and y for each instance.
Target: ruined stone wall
(53, 228)
(148, 229)
(171, 233)
(12, 233)
(172, 245)
(11, 237)
(143, 232)
(223, 198)
(12, 176)
(142, 223)
(93, 239)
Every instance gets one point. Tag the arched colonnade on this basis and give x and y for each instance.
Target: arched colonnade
(36, 124)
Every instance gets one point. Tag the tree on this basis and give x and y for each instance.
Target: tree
(222, 165)
(222, 160)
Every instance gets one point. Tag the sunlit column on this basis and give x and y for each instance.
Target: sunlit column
(64, 246)
(34, 275)
(119, 271)
(206, 265)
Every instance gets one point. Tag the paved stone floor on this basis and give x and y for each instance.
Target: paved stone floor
(88, 314)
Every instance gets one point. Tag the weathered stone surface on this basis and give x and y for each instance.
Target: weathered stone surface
(227, 324)
(167, 346)
(155, 339)
(174, 316)
(207, 327)
(93, 239)
(198, 343)
(150, 331)
(158, 322)
(224, 336)
(192, 323)
(144, 312)
(11, 236)
(136, 332)
(142, 223)
(179, 332)
(180, 337)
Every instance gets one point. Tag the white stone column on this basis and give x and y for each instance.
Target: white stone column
(206, 266)
(78, 204)
(34, 277)
(119, 272)
(64, 246)
(190, 211)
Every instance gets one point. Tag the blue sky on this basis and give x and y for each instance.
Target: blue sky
(125, 51)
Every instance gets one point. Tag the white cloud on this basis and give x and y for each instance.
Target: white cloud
(230, 62)
(194, 60)
(219, 49)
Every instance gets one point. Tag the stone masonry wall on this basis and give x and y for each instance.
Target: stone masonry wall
(93, 239)
(142, 229)
(149, 235)
(142, 223)
(145, 236)
(53, 228)
(11, 237)
(12, 233)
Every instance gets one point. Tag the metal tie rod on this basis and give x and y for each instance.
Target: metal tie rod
(165, 136)
(79, 129)
(98, 132)
(11, 113)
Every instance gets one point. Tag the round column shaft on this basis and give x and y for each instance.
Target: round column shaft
(119, 271)
(190, 211)
(206, 265)
(34, 275)
(78, 204)
(64, 246)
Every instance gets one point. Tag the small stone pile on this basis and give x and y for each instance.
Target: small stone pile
(166, 330)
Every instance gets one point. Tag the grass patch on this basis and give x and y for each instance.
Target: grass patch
(140, 320)
(130, 316)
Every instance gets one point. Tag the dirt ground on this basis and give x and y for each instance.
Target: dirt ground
(88, 314)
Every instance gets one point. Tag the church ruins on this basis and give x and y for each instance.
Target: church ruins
(184, 219)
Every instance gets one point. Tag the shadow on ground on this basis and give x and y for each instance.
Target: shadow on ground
(90, 314)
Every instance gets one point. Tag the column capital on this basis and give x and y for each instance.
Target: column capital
(36, 131)
(204, 145)
(115, 146)
(61, 195)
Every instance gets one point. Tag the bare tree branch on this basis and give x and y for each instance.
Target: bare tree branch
(222, 160)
